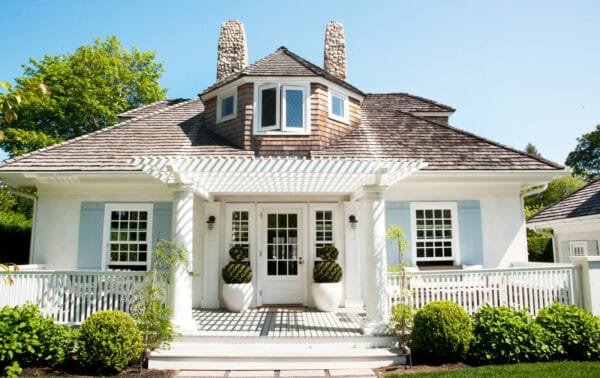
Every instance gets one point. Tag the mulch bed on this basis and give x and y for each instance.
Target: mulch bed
(35, 372)
(422, 368)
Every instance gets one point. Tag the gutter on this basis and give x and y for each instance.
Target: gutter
(33, 221)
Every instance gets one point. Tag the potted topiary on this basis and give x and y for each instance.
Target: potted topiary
(237, 290)
(327, 274)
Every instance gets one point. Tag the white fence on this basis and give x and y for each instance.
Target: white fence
(520, 288)
(71, 296)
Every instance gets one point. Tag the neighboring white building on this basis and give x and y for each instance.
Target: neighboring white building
(575, 222)
(280, 156)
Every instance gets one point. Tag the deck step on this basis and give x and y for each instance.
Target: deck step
(246, 356)
(350, 341)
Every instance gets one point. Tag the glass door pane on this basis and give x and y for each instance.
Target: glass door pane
(282, 244)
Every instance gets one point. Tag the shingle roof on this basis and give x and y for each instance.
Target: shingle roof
(410, 103)
(176, 130)
(388, 132)
(282, 63)
(150, 108)
(582, 202)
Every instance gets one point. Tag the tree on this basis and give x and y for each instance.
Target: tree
(90, 87)
(585, 159)
(531, 150)
(557, 189)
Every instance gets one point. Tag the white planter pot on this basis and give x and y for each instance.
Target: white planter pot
(237, 297)
(327, 296)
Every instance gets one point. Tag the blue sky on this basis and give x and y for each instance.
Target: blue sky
(516, 71)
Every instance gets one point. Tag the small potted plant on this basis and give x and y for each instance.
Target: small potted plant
(237, 291)
(327, 276)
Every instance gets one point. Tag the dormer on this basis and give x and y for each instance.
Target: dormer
(282, 104)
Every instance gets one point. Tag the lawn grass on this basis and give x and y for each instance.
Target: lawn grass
(569, 369)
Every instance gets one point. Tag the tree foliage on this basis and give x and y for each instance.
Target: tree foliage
(90, 87)
(532, 150)
(557, 189)
(585, 159)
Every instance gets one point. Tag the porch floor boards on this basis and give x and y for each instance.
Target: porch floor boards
(275, 322)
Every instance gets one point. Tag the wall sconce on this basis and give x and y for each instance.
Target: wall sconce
(353, 221)
(211, 222)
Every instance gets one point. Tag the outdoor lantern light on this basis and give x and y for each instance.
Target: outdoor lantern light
(211, 222)
(353, 221)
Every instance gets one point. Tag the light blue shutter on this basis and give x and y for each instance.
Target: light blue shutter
(469, 224)
(398, 213)
(91, 229)
(161, 222)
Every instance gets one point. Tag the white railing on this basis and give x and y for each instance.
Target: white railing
(71, 296)
(520, 288)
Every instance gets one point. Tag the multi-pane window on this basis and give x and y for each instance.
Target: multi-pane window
(435, 228)
(323, 228)
(129, 232)
(240, 229)
(282, 244)
(578, 248)
(282, 108)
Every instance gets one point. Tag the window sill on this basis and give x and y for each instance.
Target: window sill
(228, 118)
(339, 119)
(279, 132)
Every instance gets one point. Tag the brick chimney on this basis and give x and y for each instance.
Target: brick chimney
(233, 52)
(335, 50)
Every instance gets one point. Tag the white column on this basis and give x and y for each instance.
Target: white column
(181, 287)
(353, 276)
(212, 273)
(590, 282)
(375, 260)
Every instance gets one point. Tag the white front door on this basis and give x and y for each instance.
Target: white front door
(282, 256)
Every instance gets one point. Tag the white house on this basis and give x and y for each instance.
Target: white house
(281, 156)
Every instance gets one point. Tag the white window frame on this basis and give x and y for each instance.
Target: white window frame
(284, 89)
(313, 228)
(577, 244)
(414, 206)
(220, 98)
(225, 258)
(276, 126)
(110, 207)
(344, 98)
(280, 128)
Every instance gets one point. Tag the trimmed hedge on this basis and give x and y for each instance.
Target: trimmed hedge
(109, 341)
(15, 233)
(540, 249)
(442, 332)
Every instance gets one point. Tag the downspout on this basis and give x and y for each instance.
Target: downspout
(33, 220)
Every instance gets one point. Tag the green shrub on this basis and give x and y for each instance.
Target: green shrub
(503, 335)
(237, 273)
(28, 339)
(441, 332)
(109, 341)
(238, 253)
(328, 252)
(577, 330)
(327, 271)
(540, 249)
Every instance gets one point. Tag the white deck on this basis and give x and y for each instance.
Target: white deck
(273, 322)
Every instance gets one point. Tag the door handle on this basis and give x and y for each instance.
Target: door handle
(300, 260)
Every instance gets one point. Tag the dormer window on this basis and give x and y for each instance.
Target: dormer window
(226, 106)
(282, 108)
(338, 106)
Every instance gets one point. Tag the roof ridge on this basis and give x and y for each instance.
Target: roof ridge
(93, 133)
(425, 99)
(470, 134)
(572, 194)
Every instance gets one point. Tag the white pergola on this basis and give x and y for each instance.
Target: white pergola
(207, 177)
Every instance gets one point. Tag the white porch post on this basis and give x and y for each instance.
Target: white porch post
(212, 273)
(375, 260)
(181, 287)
